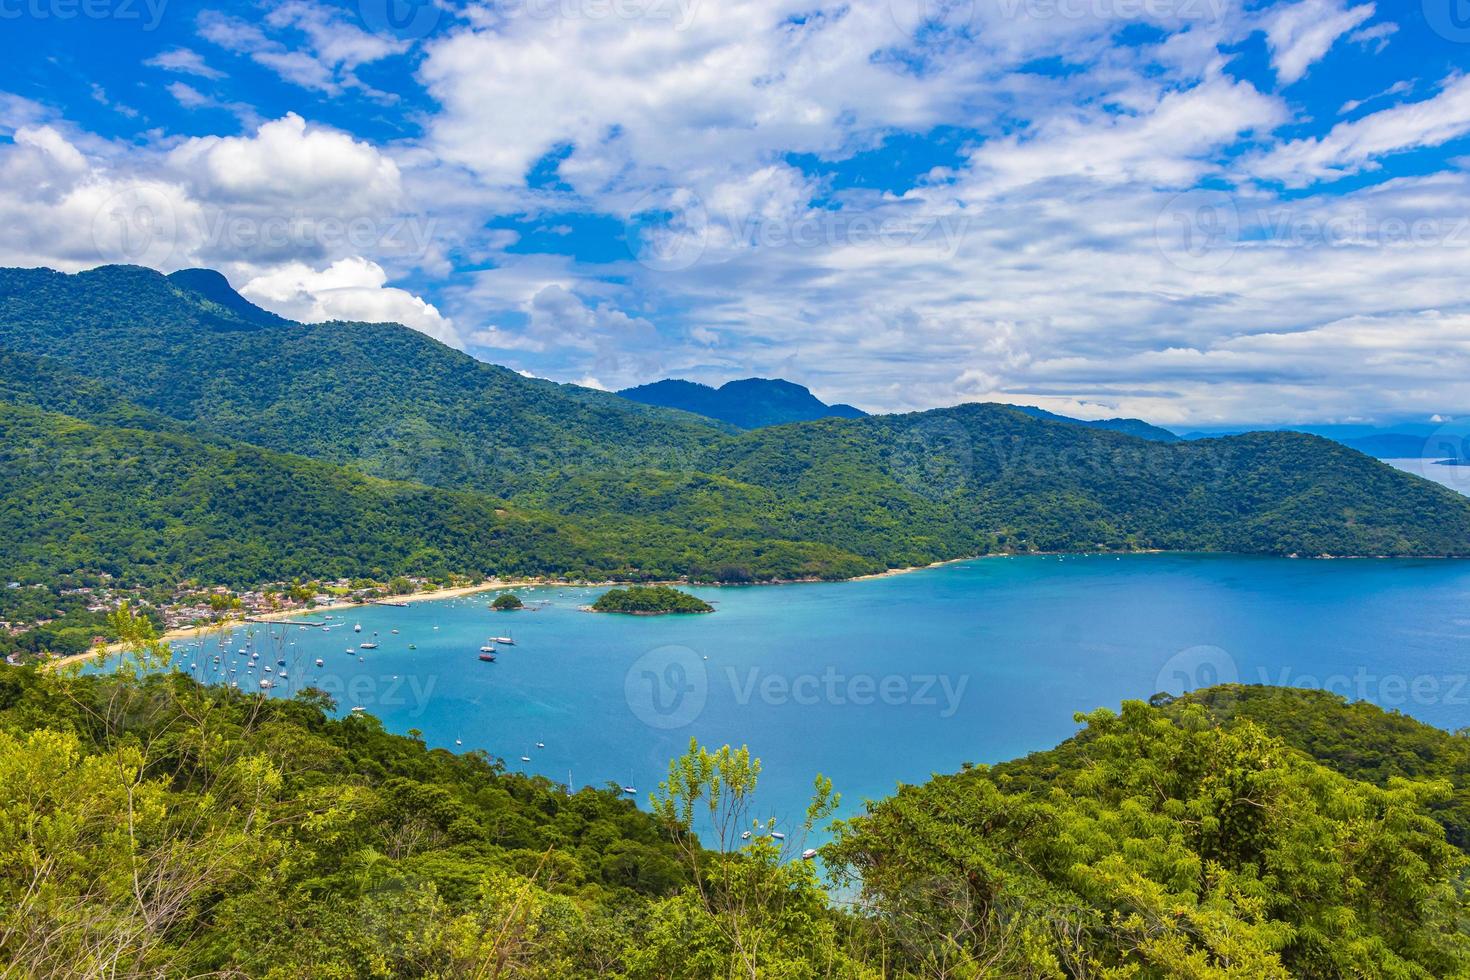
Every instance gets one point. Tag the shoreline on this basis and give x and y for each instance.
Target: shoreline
(455, 592)
(189, 632)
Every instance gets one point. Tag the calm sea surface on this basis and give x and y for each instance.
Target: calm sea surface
(879, 681)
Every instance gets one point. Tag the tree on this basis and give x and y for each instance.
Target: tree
(758, 911)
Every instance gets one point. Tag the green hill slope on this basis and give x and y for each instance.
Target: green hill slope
(384, 397)
(1227, 834)
(157, 507)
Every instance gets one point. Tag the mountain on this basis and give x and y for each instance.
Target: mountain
(379, 395)
(217, 289)
(748, 404)
(1132, 427)
(419, 447)
(157, 507)
(1393, 445)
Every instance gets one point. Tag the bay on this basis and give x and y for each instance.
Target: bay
(878, 681)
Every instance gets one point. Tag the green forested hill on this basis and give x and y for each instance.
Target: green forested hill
(156, 508)
(380, 395)
(749, 403)
(652, 492)
(263, 837)
(1234, 833)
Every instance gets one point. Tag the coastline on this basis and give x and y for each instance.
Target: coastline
(188, 632)
(919, 568)
(489, 585)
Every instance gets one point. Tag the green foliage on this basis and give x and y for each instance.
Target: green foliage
(752, 910)
(1161, 844)
(1359, 740)
(150, 826)
(506, 602)
(650, 600)
(153, 827)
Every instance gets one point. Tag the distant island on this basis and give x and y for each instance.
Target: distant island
(507, 602)
(650, 600)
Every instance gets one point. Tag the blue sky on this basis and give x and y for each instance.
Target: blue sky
(1194, 211)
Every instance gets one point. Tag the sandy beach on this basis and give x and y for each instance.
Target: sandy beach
(188, 632)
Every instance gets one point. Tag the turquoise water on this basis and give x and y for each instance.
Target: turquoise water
(886, 680)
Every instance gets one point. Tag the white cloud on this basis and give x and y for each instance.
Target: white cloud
(349, 289)
(61, 153)
(1360, 144)
(1300, 34)
(286, 161)
(1168, 141)
(706, 92)
(17, 111)
(214, 203)
(1401, 87)
(333, 46)
(184, 60)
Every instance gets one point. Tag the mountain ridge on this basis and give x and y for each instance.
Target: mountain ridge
(748, 403)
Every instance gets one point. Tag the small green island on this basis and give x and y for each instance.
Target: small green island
(650, 600)
(507, 602)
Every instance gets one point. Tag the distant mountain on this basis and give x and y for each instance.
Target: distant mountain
(1406, 440)
(1132, 427)
(1392, 445)
(751, 403)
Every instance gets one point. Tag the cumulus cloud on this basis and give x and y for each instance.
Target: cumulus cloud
(215, 203)
(286, 161)
(349, 289)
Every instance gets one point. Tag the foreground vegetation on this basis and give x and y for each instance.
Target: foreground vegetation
(150, 826)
